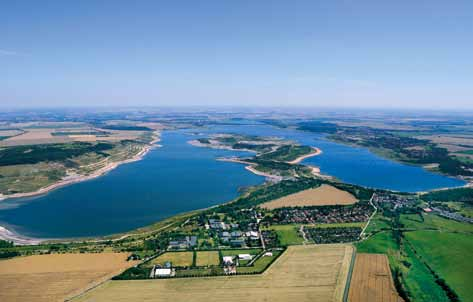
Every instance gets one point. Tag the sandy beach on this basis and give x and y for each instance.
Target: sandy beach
(274, 178)
(316, 152)
(7, 235)
(251, 167)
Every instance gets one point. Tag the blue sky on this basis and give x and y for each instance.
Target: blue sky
(401, 54)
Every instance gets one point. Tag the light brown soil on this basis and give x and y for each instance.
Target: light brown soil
(57, 276)
(44, 136)
(372, 280)
(302, 273)
(323, 195)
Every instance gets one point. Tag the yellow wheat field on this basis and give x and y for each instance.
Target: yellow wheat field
(302, 273)
(57, 276)
(372, 280)
(323, 195)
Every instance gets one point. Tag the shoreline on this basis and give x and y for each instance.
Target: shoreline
(316, 152)
(18, 239)
(251, 167)
(72, 179)
(196, 143)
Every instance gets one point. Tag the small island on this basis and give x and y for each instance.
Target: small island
(274, 158)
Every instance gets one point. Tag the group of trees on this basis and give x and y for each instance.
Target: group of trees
(460, 194)
(49, 152)
(269, 192)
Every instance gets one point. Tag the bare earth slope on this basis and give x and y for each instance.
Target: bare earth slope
(302, 273)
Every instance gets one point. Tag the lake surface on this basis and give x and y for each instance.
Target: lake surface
(173, 179)
(178, 177)
(355, 165)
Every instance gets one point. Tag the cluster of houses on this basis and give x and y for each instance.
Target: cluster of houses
(449, 214)
(183, 243)
(230, 263)
(270, 238)
(230, 234)
(395, 201)
(358, 212)
(238, 238)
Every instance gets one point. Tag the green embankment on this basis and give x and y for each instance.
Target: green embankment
(459, 195)
(447, 254)
(426, 254)
(43, 153)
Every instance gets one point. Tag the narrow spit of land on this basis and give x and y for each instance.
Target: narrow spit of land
(316, 152)
(274, 158)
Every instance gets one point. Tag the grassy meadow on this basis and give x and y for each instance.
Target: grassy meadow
(288, 234)
(430, 246)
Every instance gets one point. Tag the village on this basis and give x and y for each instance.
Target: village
(244, 241)
(394, 201)
(358, 212)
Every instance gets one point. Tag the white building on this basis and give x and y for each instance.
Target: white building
(245, 257)
(227, 260)
(162, 272)
(252, 235)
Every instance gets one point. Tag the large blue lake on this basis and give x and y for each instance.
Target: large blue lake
(179, 177)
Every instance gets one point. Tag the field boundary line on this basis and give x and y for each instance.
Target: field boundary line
(349, 276)
(94, 286)
(372, 215)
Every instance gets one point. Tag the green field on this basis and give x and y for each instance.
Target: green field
(462, 208)
(447, 254)
(419, 282)
(176, 258)
(428, 241)
(378, 222)
(432, 221)
(207, 258)
(196, 272)
(260, 264)
(382, 243)
(288, 234)
(416, 278)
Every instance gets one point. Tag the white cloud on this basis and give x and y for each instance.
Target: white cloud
(4, 52)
